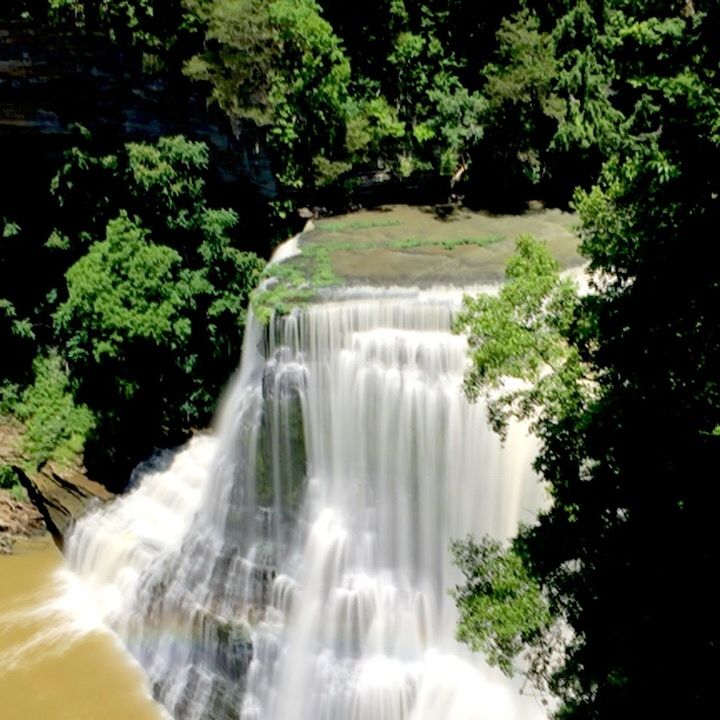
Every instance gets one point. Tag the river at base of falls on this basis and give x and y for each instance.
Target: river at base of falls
(295, 565)
(57, 659)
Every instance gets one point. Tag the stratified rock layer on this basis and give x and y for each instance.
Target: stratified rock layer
(62, 495)
(58, 495)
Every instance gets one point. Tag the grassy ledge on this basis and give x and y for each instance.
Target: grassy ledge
(407, 245)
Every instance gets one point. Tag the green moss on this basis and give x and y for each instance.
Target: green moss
(407, 243)
(297, 282)
(299, 278)
(280, 300)
(56, 426)
(281, 456)
(342, 226)
(452, 243)
(322, 272)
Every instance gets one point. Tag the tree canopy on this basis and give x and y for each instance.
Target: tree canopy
(146, 303)
(628, 417)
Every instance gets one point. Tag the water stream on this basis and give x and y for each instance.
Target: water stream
(294, 564)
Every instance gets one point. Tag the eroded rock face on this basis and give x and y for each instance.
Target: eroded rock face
(18, 519)
(57, 495)
(62, 495)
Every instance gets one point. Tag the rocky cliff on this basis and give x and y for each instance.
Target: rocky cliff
(51, 81)
(57, 495)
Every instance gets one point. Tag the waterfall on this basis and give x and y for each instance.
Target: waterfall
(294, 564)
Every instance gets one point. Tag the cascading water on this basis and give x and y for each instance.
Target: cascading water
(296, 565)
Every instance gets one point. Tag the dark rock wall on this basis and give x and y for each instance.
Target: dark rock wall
(49, 81)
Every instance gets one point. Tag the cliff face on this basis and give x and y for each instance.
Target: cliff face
(17, 519)
(48, 82)
(57, 495)
(62, 495)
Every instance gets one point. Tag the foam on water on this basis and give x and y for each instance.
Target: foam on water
(296, 565)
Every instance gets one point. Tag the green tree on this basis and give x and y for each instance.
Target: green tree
(154, 313)
(436, 50)
(523, 111)
(164, 183)
(126, 331)
(585, 73)
(373, 129)
(628, 430)
(502, 608)
(125, 290)
(278, 71)
(521, 333)
(56, 428)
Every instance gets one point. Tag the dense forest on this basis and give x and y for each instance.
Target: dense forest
(126, 267)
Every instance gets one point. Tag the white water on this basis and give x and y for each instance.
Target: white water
(296, 565)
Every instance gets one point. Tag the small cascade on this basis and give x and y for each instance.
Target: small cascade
(295, 564)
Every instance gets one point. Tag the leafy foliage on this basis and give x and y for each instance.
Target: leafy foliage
(8, 478)
(19, 327)
(166, 177)
(124, 291)
(154, 312)
(163, 183)
(55, 426)
(149, 286)
(523, 109)
(126, 326)
(496, 96)
(521, 333)
(628, 424)
(278, 65)
(501, 606)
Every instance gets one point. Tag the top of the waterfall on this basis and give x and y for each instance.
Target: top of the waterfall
(424, 246)
(407, 246)
(289, 249)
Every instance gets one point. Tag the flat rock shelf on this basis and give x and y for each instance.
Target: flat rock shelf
(409, 246)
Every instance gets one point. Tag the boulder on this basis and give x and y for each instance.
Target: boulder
(58, 494)
(18, 519)
(62, 495)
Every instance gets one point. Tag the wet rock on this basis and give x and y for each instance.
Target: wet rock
(62, 495)
(222, 644)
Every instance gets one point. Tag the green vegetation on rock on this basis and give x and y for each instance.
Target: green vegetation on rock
(8, 478)
(145, 305)
(300, 279)
(56, 427)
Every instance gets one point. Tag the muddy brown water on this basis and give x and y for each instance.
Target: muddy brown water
(56, 662)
